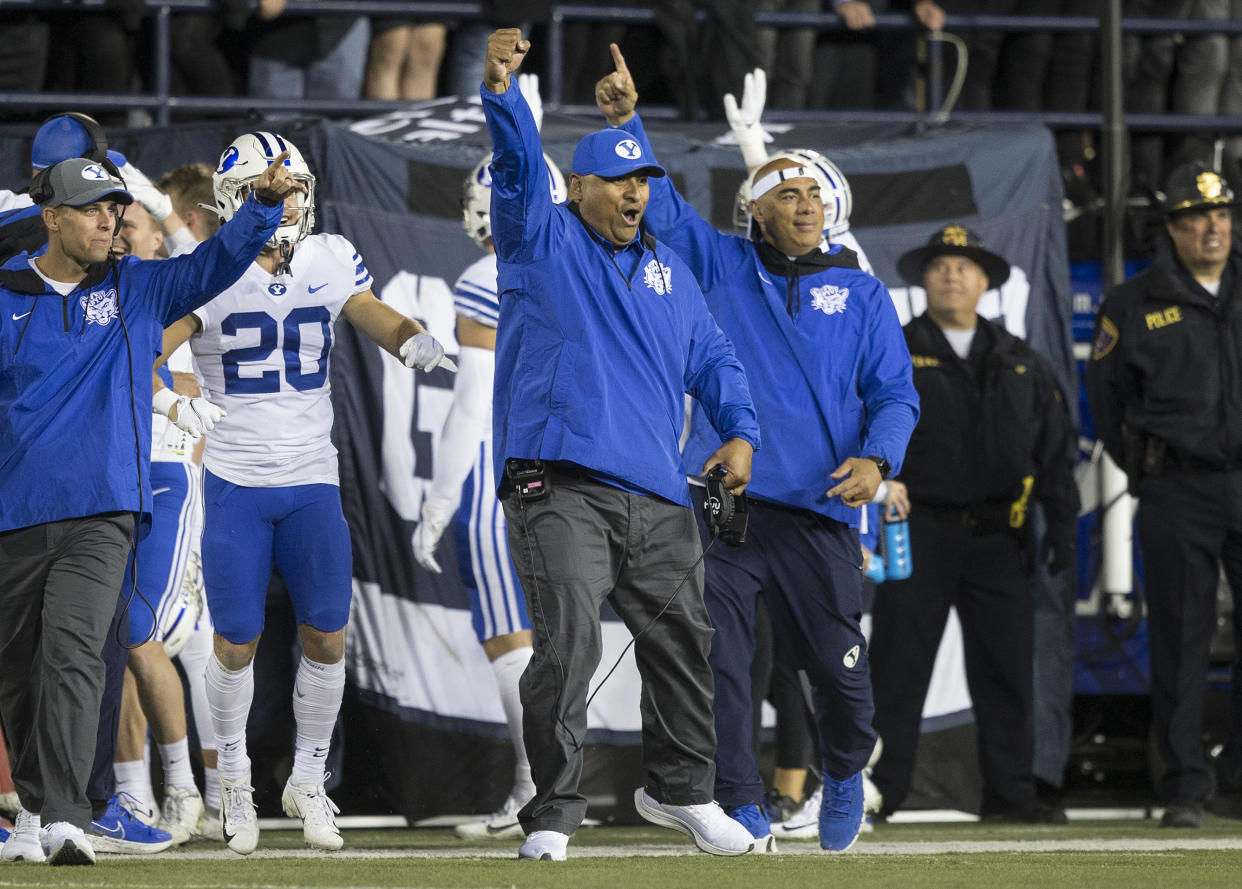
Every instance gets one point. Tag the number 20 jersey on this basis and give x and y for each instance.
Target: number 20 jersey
(263, 354)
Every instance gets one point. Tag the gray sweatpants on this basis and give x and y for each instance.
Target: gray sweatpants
(585, 542)
(59, 583)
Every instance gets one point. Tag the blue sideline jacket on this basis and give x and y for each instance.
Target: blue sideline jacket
(75, 396)
(594, 350)
(830, 375)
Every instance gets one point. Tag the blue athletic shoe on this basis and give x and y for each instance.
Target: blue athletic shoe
(753, 819)
(841, 812)
(117, 830)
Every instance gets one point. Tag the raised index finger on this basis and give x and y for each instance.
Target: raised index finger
(619, 60)
(279, 160)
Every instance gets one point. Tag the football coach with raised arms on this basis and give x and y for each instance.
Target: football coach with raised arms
(602, 330)
(78, 334)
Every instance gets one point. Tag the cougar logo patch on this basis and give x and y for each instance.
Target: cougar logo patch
(656, 276)
(100, 306)
(829, 299)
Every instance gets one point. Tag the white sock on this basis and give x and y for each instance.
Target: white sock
(509, 668)
(194, 659)
(133, 777)
(229, 693)
(211, 792)
(176, 760)
(317, 692)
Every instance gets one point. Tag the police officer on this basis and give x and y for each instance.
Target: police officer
(994, 437)
(1165, 386)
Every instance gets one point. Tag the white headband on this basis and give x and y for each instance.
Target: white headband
(776, 177)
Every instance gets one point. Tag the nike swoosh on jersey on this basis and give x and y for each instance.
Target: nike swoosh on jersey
(17, 317)
(316, 289)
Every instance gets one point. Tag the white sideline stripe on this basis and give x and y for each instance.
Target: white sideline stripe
(508, 850)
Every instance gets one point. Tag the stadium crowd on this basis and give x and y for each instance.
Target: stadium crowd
(589, 506)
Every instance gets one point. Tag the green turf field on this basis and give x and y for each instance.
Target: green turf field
(1085, 855)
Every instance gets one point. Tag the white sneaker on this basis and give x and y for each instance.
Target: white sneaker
(239, 820)
(872, 798)
(544, 845)
(25, 843)
(310, 803)
(706, 823)
(501, 824)
(181, 813)
(210, 827)
(65, 844)
(804, 823)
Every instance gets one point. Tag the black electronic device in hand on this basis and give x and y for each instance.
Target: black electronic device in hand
(723, 511)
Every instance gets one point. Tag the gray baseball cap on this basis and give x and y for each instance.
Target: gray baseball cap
(77, 182)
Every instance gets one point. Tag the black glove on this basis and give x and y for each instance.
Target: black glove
(1060, 544)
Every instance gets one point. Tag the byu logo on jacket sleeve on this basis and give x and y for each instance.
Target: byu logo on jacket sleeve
(829, 299)
(657, 276)
(100, 306)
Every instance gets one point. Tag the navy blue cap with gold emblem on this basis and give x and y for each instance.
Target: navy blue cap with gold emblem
(953, 240)
(1195, 185)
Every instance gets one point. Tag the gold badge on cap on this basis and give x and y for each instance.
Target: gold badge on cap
(1210, 185)
(954, 236)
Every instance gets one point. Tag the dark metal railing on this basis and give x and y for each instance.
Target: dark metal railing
(161, 102)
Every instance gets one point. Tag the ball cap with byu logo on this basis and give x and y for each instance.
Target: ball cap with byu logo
(80, 181)
(611, 154)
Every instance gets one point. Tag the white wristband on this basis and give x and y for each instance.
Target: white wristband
(162, 401)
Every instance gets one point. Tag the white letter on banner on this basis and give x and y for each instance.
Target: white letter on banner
(412, 407)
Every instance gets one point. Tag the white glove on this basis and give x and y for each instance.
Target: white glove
(528, 84)
(423, 351)
(436, 513)
(751, 136)
(154, 201)
(196, 416)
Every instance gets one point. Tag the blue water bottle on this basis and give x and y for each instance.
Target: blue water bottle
(897, 564)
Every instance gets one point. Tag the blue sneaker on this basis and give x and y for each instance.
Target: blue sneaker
(753, 819)
(117, 830)
(841, 812)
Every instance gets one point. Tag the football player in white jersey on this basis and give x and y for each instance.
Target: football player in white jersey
(153, 688)
(270, 480)
(464, 475)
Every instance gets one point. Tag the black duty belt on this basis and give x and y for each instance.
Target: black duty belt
(1174, 459)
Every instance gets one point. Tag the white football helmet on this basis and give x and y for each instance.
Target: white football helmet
(838, 199)
(476, 198)
(243, 162)
(181, 612)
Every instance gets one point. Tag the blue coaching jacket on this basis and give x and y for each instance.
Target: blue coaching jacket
(75, 386)
(828, 364)
(594, 349)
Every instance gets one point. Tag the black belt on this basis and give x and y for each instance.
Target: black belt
(981, 518)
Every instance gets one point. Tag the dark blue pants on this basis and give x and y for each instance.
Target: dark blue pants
(807, 568)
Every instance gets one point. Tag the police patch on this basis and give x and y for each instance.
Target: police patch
(1105, 338)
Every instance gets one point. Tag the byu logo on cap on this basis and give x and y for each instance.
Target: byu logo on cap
(628, 149)
(93, 172)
